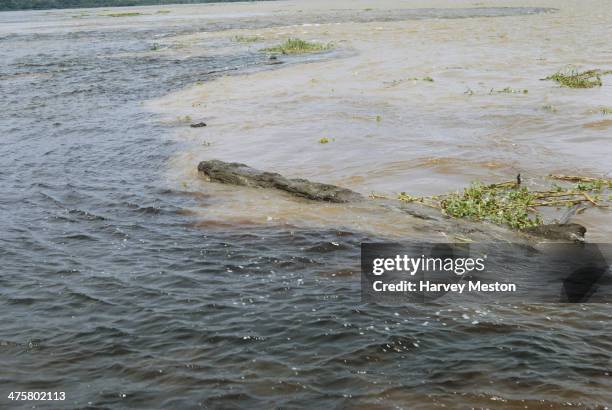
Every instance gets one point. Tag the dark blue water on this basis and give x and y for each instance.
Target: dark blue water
(112, 292)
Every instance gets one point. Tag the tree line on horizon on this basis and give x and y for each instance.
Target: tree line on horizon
(6, 5)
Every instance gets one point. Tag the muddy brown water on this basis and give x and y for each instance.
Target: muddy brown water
(129, 282)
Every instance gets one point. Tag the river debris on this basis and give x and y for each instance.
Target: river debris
(575, 79)
(298, 46)
(509, 203)
(420, 207)
(125, 14)
(397, 82)
(426, 79)
(198, 125)
(509, 90)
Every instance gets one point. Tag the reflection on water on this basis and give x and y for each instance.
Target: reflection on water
(128, 281)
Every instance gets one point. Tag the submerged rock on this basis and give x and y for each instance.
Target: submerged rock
(240, 174)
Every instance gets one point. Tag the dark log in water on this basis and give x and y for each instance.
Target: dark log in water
(240, 174)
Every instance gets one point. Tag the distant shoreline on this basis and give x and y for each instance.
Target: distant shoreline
(23, 5)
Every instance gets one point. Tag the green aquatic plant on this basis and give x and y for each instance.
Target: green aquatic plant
(585, 183)
(247, 39)
(494, 204)
(574, 79)
(324, 140)
(606, 110)
(509, 203)
(427, 79)
(163, 11)
(595, 186)
(298, 46)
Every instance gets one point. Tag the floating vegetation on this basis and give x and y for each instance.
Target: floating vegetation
(126, 14)
(574, 79)
(394, 83)
(509, 203)
(163, 11)
(248, 39)
(585, 183)
(324, 140)
(298, 46)
(606, 110)
(427, 79)
(509, 90)
(493, 203)
(378, 118)
(549, 108)
(185, 118)
(155, 47)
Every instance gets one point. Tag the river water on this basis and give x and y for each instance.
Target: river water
(128, 282)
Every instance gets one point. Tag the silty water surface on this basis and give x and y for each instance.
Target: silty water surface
(113, 292)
